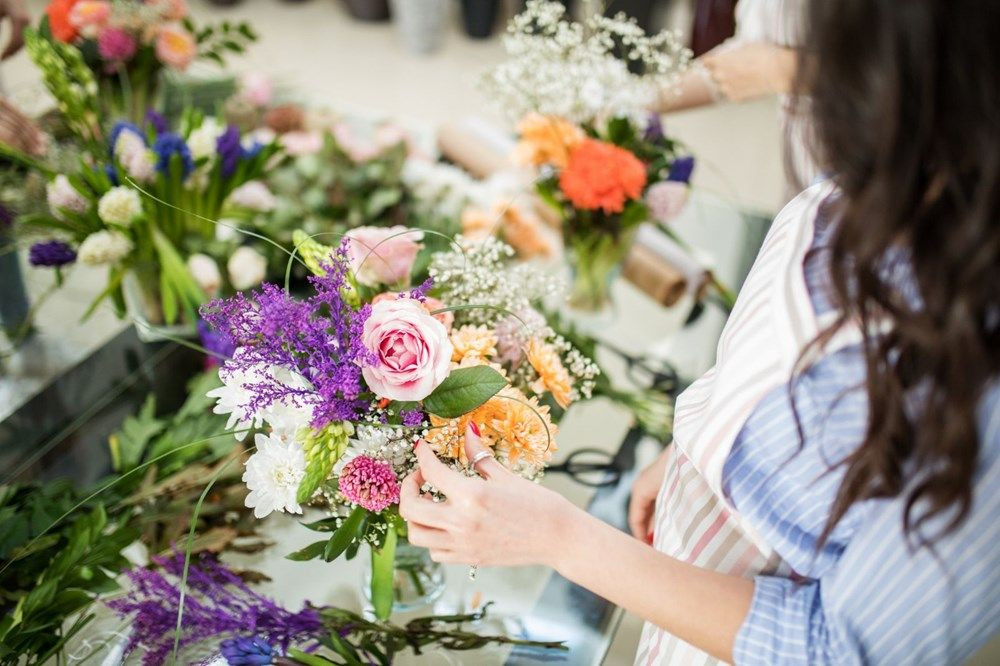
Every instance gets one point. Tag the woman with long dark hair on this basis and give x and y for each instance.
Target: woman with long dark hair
(833, 489)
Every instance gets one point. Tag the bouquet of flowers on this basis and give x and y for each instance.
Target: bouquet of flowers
(579, 94)
(347, 379)
(125, 45)
(147, 212)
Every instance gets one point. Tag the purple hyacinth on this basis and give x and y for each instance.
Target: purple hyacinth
(217, 603)
(217, 343)
(318, 337)
(230, 150)
(254, 651)
(53, 253)
(156, 121)
(681, 169)
(166, 146)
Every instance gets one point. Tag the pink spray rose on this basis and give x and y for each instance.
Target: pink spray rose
(175, 47)
(430, 304)
(382, 255)
(411, 347)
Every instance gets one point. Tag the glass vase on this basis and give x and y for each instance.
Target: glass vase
(595, 259)
(417, 580)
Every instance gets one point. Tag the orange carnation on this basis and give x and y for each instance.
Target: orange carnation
(58, 12)
(602, 175)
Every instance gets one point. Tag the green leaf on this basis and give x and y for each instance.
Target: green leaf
(383, 564)
(310, 552)
(343, 537)
(464, 390)
(128, 445)
(300, 657)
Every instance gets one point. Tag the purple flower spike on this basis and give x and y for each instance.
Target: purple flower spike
(230, 150)
(157, 121)
(53, 253)
(681, 169)
(253, 651)
(166, 146)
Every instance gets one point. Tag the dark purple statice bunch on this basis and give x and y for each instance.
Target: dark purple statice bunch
(318, 337)
(218, 605)
(51, 253)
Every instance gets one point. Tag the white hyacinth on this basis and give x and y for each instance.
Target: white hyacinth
(61, 195)
(582, 72)
(273, 474)
(104, 247)
(253, 195)
(205, 272)
(136, 158)
(247, 268)
(119, 205)
(202, 140)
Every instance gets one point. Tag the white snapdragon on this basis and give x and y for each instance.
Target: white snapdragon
(61, 195)
(104, 247)
(205, 272)
(247, 268)
(120, 206)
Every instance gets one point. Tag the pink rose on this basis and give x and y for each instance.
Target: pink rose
(430, 304)
(411, 347)
(175, 47)
(383, 255)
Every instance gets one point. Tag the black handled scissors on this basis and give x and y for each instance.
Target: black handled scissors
(591, 467)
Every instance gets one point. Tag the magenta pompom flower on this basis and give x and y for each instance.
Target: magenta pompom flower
(369, 483)
(116, 45)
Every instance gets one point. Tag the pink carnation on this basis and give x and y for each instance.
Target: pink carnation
(369, 483)
(116, 45)
(411, 349)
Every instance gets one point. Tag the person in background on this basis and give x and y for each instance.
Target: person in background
(16, 129)
(832, 491)
(759, 60)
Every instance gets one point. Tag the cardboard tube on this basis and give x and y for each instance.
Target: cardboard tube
(477, 146)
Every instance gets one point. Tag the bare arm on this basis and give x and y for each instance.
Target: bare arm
(505, 520)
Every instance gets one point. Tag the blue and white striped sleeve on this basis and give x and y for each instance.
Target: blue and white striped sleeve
(886, 602)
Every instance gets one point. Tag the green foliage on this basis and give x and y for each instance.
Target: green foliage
(49, 575)
(464, 390)
(350, 636)
(322, 448)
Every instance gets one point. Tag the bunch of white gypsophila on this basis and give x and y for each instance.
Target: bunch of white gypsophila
(583, 72)
(482, 276)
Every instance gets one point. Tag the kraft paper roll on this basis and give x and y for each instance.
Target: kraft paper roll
(477, 146)
(653, 276)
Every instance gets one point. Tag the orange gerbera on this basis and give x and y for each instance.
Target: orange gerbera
(58, 12)
(552, 376)
(601, 175)
(546, 140)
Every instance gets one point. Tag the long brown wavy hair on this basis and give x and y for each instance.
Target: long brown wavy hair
(905, 101)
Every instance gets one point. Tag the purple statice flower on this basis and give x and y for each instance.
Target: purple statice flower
(156, 120)
(116, 131)
(419, 293)
(230, 150)
(654, 128)
(681, 169)
(217, 604)
(218, 344)
(167, 145)
(412, 417)
(53, 253)
(318, 337)
(253, 651)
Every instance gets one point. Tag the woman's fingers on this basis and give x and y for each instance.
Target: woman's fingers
(476, 450)
(429, 537)
(417, 509)
(436, 472)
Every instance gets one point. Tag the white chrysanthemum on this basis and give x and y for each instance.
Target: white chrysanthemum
(273, 474)
(133, 154)
(247, 268)
(202, 141)
(205, 272)
(104, 247)
(235, 397)
(119, 205)
(61, 195)
(253, 195)
(289, 416)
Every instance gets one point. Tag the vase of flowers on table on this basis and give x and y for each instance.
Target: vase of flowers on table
(148, 211)
(578, 93)
(126, 45)
(345, 381)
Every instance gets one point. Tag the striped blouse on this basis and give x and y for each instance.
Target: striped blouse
(866, 596)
